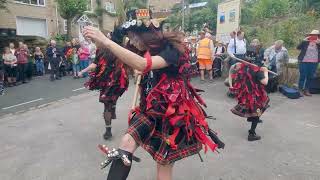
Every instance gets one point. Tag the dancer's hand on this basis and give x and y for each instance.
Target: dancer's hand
(80, 74)
(264, 69)
(95, 34)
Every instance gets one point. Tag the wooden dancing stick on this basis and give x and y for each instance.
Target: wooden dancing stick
(136, 92)
(245, 62)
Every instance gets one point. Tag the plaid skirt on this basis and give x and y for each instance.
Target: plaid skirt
(151, 133)
(111, 94)
(243, 111)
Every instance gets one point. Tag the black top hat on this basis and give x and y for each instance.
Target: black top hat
(140, 20)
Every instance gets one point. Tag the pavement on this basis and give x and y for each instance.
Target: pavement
(59, 141)
(39, 91)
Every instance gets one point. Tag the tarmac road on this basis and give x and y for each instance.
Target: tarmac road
(38, 92)
(59, 141)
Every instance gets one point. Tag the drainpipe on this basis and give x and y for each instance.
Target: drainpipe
(57, 20)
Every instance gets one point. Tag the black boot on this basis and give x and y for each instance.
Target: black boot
(253, 136)
(107, 135)
(121, 165)
(107, 119)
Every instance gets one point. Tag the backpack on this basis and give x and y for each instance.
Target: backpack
(289, 92)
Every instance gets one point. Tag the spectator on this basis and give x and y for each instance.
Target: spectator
(276, 58)
(84, 54)
(10, 66)
(218, 59)
(309, 59)
(22, 55)
(67, 51)
(237, 47)
(256, 52)
(1, 78)
(54, 56)
(92, 50)
(205, 56)
(75, 43)
(75, 63)
(12, 48)
(39, 57)
(30, 65)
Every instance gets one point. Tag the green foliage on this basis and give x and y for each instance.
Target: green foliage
(196, 17)
(3, 4)
(69, 9)
(200, 17)
(270, 8)
(291, 30)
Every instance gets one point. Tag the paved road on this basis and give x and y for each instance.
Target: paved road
(58, 142)
(38, 92)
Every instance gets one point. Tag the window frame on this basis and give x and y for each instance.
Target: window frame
(91, 7)
(29, 4)
(65, 26)
(110, 7)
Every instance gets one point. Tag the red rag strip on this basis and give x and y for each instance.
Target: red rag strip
(147, 56)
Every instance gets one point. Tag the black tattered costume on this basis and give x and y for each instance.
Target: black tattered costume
(110, 78)
(251, 95)
(170, 123)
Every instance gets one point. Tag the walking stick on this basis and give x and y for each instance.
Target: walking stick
(245, 62)
(136, 92)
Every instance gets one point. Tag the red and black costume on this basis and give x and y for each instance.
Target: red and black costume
(250, 93)
(170, 123)
(111, 79)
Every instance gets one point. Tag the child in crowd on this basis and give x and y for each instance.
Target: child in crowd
(84, 54)
(75, 63)
(38, 57)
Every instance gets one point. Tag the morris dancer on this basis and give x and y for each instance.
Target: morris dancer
(111, 79)
(169, 123)
(249, 89)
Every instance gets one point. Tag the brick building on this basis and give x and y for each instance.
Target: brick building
(41, 18)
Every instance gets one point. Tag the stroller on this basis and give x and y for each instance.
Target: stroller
(218, 65)
(194, 70)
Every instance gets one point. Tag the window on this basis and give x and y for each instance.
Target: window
(65, 25)
(32, 2)
(110, 7)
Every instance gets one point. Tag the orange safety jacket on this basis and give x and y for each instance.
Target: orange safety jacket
(204, 51)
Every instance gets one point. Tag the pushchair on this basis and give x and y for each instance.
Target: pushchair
(218, 65)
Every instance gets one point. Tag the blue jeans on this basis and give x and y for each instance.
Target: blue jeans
(84, 64)
(307, 72)
(76, 68)
(40, 66)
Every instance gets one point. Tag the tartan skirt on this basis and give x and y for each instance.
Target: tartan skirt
(243, 111)
(111, 94)
(151, 133)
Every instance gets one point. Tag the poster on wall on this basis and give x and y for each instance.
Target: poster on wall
(232, 16)
(222, 17)
(228, 19)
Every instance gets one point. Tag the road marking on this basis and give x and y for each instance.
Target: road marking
(78, 89)
(312, 125)
(21, 104)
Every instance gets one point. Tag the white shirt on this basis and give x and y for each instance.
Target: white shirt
(241, 46)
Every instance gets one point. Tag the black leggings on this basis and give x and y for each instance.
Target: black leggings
(254, 122)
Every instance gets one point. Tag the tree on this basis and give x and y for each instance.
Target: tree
(3, 4)
(99, 12)
(123, 6)
(69, 9)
